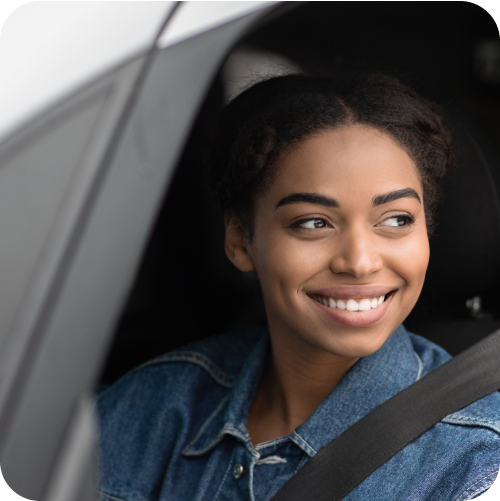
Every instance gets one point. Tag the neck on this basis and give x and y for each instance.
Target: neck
(299, 378)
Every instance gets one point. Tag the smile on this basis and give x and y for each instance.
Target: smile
(354, 306)
(365, 304)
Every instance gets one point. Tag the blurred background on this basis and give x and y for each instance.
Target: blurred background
(186, 289)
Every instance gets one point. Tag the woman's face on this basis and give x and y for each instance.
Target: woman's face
(340, 242)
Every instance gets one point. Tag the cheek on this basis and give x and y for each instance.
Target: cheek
(283, 265)
(409, 259)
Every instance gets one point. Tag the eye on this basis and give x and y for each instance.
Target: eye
(311, 223)
(399, 220)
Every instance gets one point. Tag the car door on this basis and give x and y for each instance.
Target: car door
(80, 184)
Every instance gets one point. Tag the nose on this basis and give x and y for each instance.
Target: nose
(356, 253)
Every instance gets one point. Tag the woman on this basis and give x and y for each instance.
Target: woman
(328, 189)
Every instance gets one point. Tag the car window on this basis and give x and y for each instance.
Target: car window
(48, 170)
(33, 182)
(65, 318)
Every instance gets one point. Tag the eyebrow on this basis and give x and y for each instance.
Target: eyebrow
(316, 199)
(395, 195)
(309, 198)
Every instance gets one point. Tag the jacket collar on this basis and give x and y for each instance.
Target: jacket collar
(371, 381)
(231, 415)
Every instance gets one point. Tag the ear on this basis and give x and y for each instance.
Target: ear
(236, 245)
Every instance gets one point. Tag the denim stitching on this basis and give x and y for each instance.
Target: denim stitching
(186, 450)
(308, 445)
(251, 469)
(236, 432)
(241, 436)
(420, 366)
(271, 460)
(305, 442)
(244, 438)
(477, 491)
(227, 471)
(250, 447)
(472, 421)
(300, 464)
(276, 441)
(199, 359)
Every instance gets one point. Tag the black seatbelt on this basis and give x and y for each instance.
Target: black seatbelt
(355, 454)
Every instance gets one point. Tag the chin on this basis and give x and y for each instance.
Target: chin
(356, 345)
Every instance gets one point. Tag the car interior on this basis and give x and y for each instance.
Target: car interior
(186, 289)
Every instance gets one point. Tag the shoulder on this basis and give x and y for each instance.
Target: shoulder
(455, 460)
(430, 355)
(149, 415)
(485, 412)
(221, 356)
(208, 367)
(467, 440)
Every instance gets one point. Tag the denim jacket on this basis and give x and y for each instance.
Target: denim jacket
(175, 429)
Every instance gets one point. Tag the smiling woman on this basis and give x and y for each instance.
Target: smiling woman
(335, 223)
(329, 190)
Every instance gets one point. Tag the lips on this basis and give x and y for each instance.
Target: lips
(356, 306)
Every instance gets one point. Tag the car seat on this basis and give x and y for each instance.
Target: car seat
(459, 304)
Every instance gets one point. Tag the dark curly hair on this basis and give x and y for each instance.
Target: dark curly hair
(272, 115)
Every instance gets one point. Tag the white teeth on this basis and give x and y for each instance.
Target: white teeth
(352, 305)
(364, 305)
(349, 304)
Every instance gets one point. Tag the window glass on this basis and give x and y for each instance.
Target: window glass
(34, 175)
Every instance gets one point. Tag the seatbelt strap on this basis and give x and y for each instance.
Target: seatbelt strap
(355, 454)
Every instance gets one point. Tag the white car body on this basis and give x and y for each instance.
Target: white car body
(46, 51)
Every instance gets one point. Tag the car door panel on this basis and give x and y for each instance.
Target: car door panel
(75, 308)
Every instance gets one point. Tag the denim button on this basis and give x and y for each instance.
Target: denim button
(238, 470)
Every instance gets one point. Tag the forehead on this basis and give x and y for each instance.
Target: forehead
(352, 161)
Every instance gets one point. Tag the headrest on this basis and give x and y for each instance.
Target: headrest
(465, 248)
